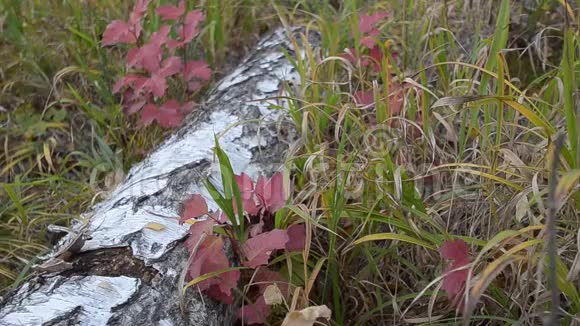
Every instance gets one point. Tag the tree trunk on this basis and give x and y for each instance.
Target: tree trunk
(131, 259)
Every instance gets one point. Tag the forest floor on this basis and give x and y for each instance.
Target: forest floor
(421, 123)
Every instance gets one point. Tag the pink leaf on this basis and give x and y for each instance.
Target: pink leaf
(131, 56)
(192, 20)
(247, 193)
(366, 22)
(376, 55)
(364, 98)
(256, 228)
(171, 12)
(167, 117)
(271, 193)
(255, 313)
(187, 107)
(128, 80)
(189, 29)
(196, 70)
(194, 207)
(350, 55)
(156, 85)
(396, 98)
(456, 250)
(196, 230)
(245, 184)
(118, 32)
(170, 118)
(133, 100)
(134, 107)
(160, 37)
(193, 86)
(259, 248)
(148, 57)
(368, 41)
(453, 283)
(265, 277)
(170, 66)
(296, 237)
(149, 114)
(210, 257)
(139, 10)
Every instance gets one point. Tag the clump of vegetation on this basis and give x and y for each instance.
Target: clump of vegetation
(431, 176)
(66, 140)
(157, 61)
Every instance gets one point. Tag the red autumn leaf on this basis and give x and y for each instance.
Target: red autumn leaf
(246, 187)
(156, 84)
(194, 207)
(131, 56)
(171, 12)
(396, 98)
(210, 257)
(265, 277)
(149, 114)
(256, 228)
(193, 86)
(194, 72)
(133, 101)
(134, 107)
(271, 194)
(245, 184)
(366, 22)
(192, 20)
(148, 57)
(368, 41)
(196, 230)
(296, 237)
(139, 10)
(170, 66)
(455, 250)
(118, 32)
(187, 107)
(160, 37)
(376, 56)
(453, 283)
(128, 80)
(167, 115)
(126, 32)
(189, 29)
(364, 98)
(259, 248)
(255, 313)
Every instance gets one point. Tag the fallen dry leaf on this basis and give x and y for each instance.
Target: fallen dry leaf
(272, 295)
(155, 226)
(306, 316)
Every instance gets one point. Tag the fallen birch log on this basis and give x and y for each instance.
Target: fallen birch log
(121, 265)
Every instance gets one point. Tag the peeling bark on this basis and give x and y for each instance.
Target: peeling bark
(141, 286)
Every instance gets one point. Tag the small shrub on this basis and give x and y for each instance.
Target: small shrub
(154, 62)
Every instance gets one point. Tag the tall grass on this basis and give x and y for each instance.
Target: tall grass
(477, 170)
